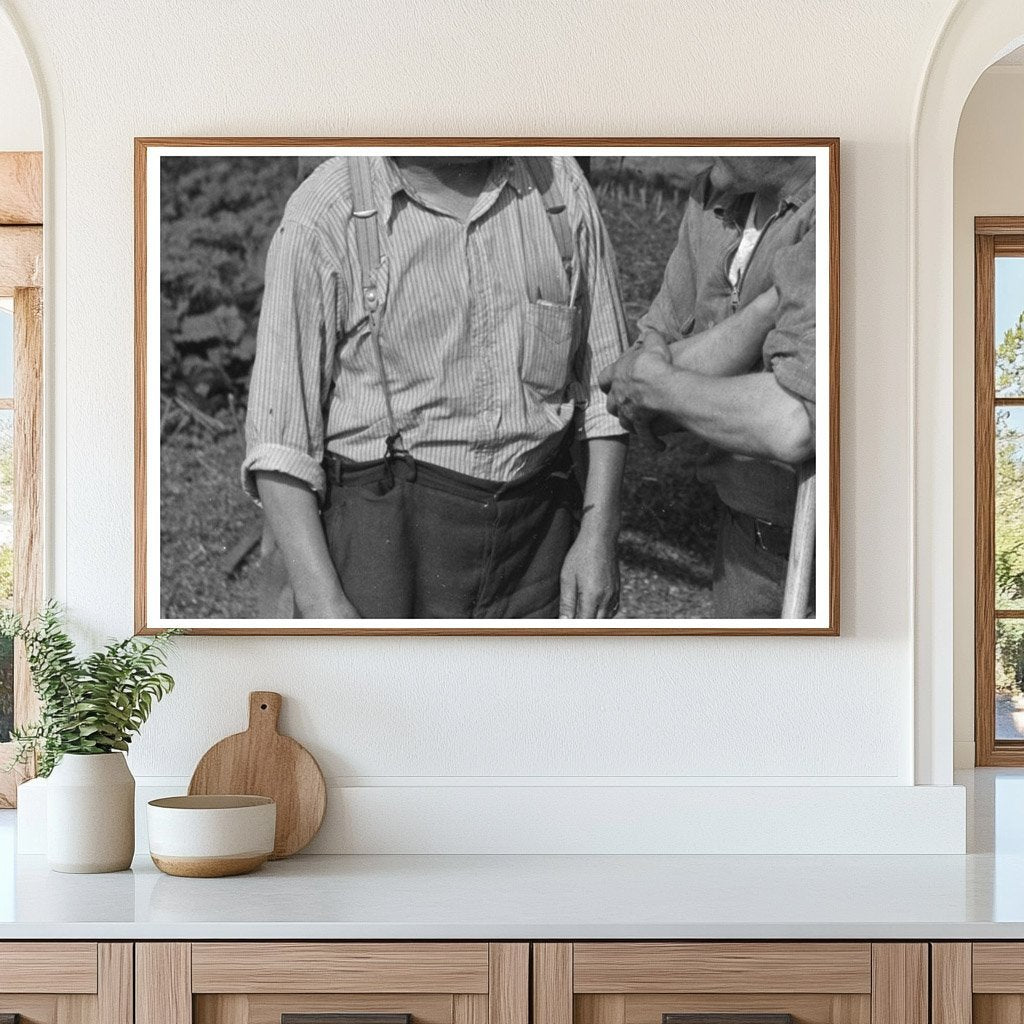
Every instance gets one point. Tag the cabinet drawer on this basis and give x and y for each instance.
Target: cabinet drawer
(730, 983)
(332, 983)
(66, 982)
(340, 967)
(64, 967)
(749, 967)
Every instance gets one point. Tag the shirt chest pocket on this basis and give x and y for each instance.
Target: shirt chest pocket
(549, 340)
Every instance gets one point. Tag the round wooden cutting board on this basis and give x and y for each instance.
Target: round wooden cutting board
(262, 762)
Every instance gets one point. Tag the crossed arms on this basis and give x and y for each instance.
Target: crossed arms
(704, 384)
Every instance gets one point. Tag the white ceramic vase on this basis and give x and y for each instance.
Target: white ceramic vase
(90, 814)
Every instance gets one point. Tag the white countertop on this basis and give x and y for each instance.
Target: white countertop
(977, 896)
(496, 897)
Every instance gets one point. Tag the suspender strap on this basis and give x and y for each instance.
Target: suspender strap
(542, 172)
(365, 220)
(364, 212)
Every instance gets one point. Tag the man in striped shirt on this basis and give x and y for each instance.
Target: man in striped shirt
(485, 376)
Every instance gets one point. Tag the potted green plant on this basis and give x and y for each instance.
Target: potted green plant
(90, 708)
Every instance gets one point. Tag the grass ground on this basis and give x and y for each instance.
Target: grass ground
(668, 521)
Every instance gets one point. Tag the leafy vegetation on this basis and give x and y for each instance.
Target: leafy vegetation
(1009, 508)
(217, 216)
(90, 705)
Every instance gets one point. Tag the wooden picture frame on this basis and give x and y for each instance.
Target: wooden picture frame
(148, 612)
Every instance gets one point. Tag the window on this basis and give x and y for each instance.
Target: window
(20, 501)
(21, 363)
(999, 490)
(6, 510)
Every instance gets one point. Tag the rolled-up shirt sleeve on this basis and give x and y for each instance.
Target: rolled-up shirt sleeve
(291, 376)
(604, 333)
(789, 349)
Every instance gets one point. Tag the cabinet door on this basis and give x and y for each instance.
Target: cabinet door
(332, 983)
(65, 983)
(730, 983)
(981, 982)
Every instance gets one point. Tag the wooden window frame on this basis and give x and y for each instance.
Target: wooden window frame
(21, 278)
(993, 237)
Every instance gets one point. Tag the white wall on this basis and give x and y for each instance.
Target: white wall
(988, 181)
(21, 126)
(430, 716)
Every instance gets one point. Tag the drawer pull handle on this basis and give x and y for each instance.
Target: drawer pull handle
(340, 1018)
(727, 1018)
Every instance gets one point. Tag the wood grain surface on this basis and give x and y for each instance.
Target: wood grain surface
(21, 258)
(28, 483)
(21, 188)
(469, 1008)
(552, 983)
(951, 983)
(64, 967)
(304, 967)
(998, 967)
(899, 989)
(262, 762)
(163, 983)
(508, 992)
(630, 967)
(115, 983)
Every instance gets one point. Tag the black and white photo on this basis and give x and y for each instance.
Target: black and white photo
(465, 387)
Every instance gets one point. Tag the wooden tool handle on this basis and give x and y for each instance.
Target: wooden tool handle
(800, 568)
(264, 710)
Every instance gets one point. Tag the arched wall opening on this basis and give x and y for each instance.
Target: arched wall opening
(21, 121)
(976, 35)
(987, 182)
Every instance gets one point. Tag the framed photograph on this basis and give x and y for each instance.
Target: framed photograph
(499, 386)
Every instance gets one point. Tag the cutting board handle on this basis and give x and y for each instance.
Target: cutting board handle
(264, 710)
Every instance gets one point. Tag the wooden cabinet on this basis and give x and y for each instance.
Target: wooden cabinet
(66, 982)
(261, 982)
(494, 983)
(978, 983)
(752, 982)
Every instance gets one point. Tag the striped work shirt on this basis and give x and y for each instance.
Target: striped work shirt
(490, 349)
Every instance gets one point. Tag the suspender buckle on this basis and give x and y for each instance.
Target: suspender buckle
(394, 449)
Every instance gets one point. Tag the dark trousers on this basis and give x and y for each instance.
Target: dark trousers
(424, 542)
(750, 568)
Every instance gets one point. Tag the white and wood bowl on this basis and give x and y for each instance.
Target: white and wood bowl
(211, 836)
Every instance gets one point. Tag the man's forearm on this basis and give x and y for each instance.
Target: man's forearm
(294, 520)
(602, 496)
(748, 415)
(732, 346)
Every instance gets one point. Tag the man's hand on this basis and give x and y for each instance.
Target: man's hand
(590, 578)
(629, 383)
(323, 602)
(294, 520)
